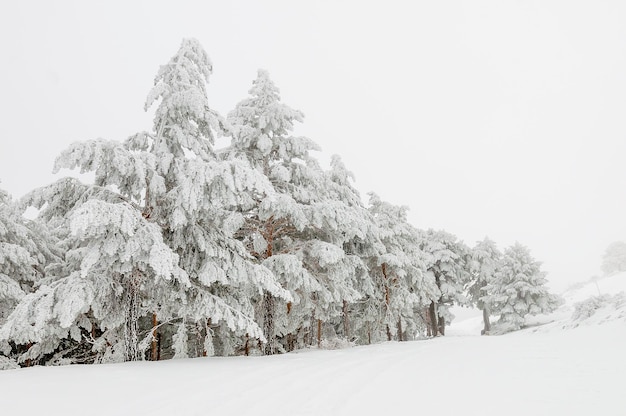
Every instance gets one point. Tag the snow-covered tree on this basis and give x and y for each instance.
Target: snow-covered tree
(519, 289)
(397, 272)
(171, 183)
(614, 259)
(120, 259)
(484, 262)
(26, 250)
(446, 264)
(299, 230)
(201, 198)
(352, 227)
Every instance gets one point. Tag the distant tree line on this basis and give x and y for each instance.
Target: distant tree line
(181, 249)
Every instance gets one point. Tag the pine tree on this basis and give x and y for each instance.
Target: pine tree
(26, 251)
(299, 230)
(203, 196)
(614, 259)
(519, 289)
(398, 273)
(483, 266)
(446, 264)
(170, 182)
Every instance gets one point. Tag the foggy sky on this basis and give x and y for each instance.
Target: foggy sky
(498, 118)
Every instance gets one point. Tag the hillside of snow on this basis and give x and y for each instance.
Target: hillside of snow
(561, 367)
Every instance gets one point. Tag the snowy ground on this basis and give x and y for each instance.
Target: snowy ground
(544, 370)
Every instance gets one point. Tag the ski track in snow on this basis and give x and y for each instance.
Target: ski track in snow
(543, 370)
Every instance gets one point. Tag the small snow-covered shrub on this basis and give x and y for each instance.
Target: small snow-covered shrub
(336, 343)
(587, 308)
(503, 327)
(8, 364)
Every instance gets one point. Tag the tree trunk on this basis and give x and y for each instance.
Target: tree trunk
(427, 320)
(208, 328)
(487, 328)
(28, 362)
(442, 325)
(433, 319)
(387, 299)
(154, 353)
(246, 347)
(132, 316)
(346, 322)
(400, 335)
(268, 322)
(268, 299)
(319, 333)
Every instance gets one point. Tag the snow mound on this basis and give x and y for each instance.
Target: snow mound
(600, 309)
(594, 302)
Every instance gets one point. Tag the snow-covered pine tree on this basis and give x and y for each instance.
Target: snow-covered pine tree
(202, 196)
(121, 260)
(175, 184)
(350, 225)
(293, 231)
(519, 289)
(398, 273)
(614, 259)
(484, 262)
(26, 249)
(446, 264)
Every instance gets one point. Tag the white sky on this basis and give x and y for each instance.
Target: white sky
(498, 118)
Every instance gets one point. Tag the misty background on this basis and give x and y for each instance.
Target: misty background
(497, 118)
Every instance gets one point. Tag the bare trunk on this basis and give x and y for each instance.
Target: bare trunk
(132, 316)
(346, 322)
(28, 362)
(319, 333)
(268, 323)
(442, 325)
(208, 328)
(311, 332)
(387, 299)
(246, 347)
(487, 328)
(400, 335)
(154, 353)
(433, 319)
(268, 299)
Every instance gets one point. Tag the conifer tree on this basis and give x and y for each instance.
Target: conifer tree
(484, 264)
(398, 272)
(26, 251)
(295, 231)
(614, 259)
(519, 289)
(446, 264)
(173, 182)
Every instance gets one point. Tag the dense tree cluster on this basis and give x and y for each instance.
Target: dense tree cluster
(180, 249)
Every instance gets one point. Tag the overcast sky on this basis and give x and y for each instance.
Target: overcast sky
(498, 118)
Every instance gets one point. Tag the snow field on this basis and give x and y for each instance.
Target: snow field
(560, 372)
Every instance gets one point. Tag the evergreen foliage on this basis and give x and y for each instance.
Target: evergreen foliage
(519, 289)
(179, 249)
(614, 259)
(446, 261)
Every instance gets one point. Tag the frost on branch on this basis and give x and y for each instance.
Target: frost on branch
(183, 115)
(519, 289)
(119, 237)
